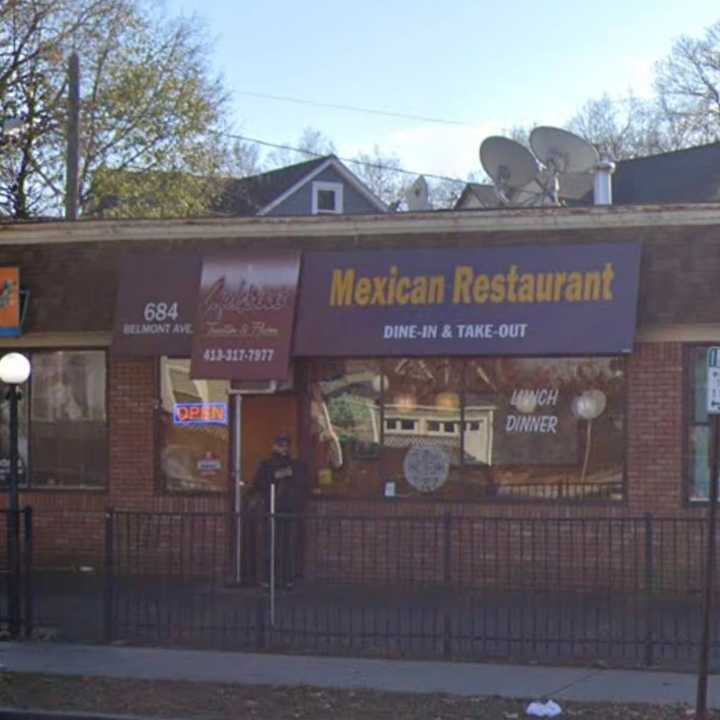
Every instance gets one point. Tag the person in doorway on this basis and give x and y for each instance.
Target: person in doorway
(290, 481)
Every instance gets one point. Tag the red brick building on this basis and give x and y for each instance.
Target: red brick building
(97, 426)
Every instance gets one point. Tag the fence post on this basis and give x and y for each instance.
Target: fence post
(447, 576)
(447, 560)
(14, 571)
(28, 572)
(109, 619)
(260, 635)
(649, 582)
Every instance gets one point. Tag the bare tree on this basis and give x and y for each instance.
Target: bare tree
(381, 173)
(445, 193)
(688, 86)
(626, 128)
(311, 143)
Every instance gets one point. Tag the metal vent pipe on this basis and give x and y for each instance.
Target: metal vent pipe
(602, 183)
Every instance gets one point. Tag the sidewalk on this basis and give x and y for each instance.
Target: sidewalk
(511, 681)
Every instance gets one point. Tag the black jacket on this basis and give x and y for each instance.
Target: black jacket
(291, 483)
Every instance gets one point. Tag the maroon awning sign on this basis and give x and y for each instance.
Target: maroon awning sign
(245, 316)
(504, 300)
(156, 303)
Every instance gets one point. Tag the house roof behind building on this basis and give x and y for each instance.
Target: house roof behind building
(258, 194)
(248, 196)
(690, 175)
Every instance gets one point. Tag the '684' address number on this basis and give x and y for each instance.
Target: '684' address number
(160, 311)
(255, 355)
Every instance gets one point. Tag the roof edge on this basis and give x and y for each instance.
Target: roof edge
(351, 226)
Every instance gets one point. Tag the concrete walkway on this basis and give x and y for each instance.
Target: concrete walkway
(512, 681)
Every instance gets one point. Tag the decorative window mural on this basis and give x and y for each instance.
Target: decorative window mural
(507, 428)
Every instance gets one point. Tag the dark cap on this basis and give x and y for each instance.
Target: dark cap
(281, 438)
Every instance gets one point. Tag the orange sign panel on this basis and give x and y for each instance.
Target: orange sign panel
(9, 300)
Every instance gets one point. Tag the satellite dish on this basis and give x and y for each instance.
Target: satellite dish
(508, 163)
(562, 151)
(417, 195)
(575, 186)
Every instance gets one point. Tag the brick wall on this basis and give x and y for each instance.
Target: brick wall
(655, 429)
(73, 289)
(70, 526)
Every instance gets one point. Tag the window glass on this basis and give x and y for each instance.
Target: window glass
(346, 425)
(423, 396)
(68, 418)
(699, 405)
(699, 452)
(23, 434)
(194, 442)
(548, 428)
(326, 200)
(698, 444)
(62, 414)
(542, 428)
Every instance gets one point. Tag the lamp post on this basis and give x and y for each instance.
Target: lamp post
(14, 371)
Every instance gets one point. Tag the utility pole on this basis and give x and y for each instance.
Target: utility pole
(72, 171)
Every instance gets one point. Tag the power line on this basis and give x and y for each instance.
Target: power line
(354, 161)
(353, 108)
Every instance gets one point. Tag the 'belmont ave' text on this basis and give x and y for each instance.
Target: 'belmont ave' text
(157, 329)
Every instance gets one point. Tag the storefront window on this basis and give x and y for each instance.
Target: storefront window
(554, 428)
(423, 423)
(23, 465)
(698, 428)
(476, 429)
(62, 422)
(345, 410)
(194, 442)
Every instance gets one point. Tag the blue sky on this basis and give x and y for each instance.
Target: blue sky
(489, 65)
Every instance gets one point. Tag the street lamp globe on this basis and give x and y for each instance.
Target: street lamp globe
(14, 369)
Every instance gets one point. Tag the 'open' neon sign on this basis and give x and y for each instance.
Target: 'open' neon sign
(201, 413)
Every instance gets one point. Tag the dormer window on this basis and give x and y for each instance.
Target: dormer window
(327, 198)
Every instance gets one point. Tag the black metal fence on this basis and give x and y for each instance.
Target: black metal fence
(626, 591)
(16, 572)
